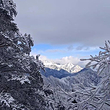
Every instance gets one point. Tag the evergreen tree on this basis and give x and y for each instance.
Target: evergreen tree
(21, 84)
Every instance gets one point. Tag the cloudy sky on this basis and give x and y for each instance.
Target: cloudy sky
(65, 29)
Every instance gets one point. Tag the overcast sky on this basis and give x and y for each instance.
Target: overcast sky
(65, 27)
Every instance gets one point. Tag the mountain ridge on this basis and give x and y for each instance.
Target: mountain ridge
(69, 67)
(86, 77)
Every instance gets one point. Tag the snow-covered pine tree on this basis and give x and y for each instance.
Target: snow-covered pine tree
(13, 46)
(99, 97)
(20, 79)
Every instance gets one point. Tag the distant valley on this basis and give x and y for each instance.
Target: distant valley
(60, 70)
(68, 75)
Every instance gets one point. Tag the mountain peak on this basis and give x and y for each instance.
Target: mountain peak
(77, 68)
(69, 67)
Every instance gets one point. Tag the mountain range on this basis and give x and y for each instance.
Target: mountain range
(68, 75)
(85, 77)
(69, 67)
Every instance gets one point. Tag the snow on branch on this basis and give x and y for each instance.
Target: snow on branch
(101, 62)
(101, 96)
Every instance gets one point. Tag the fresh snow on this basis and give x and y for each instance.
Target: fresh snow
(69, 67)
(6, 98)
(22, 79)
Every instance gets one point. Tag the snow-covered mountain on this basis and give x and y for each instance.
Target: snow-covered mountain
(72, 90)
(69, 67)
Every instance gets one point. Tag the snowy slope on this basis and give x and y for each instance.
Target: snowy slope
(86, 77)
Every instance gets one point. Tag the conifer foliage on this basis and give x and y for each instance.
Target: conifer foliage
(99, 97)
(20, 79)
(14, 47)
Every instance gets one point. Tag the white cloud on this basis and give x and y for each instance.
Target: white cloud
(68, 59)
(64, 60)
(43, 58)
(71, 59)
